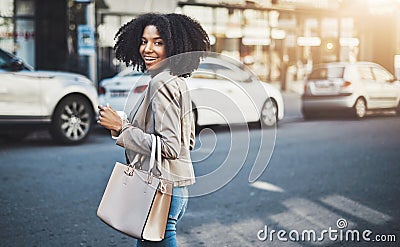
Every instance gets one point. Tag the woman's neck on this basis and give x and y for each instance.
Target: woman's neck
(159, 69)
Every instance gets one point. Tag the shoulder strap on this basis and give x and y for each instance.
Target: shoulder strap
(159, 155)
(154, 145)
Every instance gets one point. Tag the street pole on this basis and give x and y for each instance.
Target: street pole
(90, 21)
(87, 40)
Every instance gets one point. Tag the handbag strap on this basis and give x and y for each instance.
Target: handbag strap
(154, 145)
(155, 158)
(139, 158)
(158, 166)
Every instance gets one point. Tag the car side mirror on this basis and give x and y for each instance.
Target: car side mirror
(16, 65)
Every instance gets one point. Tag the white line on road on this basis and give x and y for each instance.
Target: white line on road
(356, 209)
(267, 186)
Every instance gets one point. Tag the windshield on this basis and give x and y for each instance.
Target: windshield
(218, 71)
(6, 60)
(133, 73)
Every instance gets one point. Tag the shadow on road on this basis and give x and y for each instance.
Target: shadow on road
(42, 138)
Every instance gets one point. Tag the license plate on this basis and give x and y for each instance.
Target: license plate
(119, 93)
(323, 84)
(323, 88)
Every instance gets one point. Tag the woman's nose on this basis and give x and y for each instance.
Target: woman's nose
(148, 47)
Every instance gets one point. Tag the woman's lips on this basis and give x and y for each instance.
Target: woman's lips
(150, 60)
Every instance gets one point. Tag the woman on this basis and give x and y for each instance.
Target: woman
(153, 42)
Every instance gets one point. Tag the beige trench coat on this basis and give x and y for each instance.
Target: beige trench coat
(164, 110)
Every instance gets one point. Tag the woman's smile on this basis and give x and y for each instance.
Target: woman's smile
(149, 60)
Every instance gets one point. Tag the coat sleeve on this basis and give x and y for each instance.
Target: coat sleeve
(136, 140)
(166, 110)
(165, 104)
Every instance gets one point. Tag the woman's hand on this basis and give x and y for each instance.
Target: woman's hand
(109, 118)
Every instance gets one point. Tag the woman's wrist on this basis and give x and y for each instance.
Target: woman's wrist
(124, 124)
(115, 132)
(118, 128)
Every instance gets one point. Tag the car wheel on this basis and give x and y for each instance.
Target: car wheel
(194, 112)
(72, 120)
(398, 110)
(269, 113)
(195, 116)
(360, 108)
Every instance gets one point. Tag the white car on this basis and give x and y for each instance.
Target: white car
(64, 102)
(350, 87)
(222, 91)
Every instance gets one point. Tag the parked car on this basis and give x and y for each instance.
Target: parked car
(222, 92)
(64, 102)
(115, 90)
(352, 87)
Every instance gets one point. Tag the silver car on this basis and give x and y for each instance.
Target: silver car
(349, 87)
(63, 102)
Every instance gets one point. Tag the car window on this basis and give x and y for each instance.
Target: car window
(208, 71)
(133, 73)
(382, 75)
(7, 58)
(327, 73)
(217, 71)
(129, 71)
(4, 59)
(365, 73)
(2, 62)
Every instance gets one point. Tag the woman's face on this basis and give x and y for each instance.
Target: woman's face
(152, 47)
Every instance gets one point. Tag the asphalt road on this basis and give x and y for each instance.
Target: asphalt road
(333, 177)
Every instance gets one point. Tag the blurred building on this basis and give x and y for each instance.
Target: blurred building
(276, 38)
(38, 32)
(290, 35)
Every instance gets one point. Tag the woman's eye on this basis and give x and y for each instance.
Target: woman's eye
(143, 42)
(158, 43)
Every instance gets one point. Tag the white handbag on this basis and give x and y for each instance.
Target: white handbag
(137, 202)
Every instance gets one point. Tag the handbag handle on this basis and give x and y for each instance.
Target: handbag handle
(140, 158)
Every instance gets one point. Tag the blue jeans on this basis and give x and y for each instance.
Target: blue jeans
(178, 206)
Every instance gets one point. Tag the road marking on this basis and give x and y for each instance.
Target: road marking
(356, 209)
(315, 213)
(267, 186)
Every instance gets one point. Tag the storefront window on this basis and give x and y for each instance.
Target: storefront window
(24, 33)
(6, 25)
